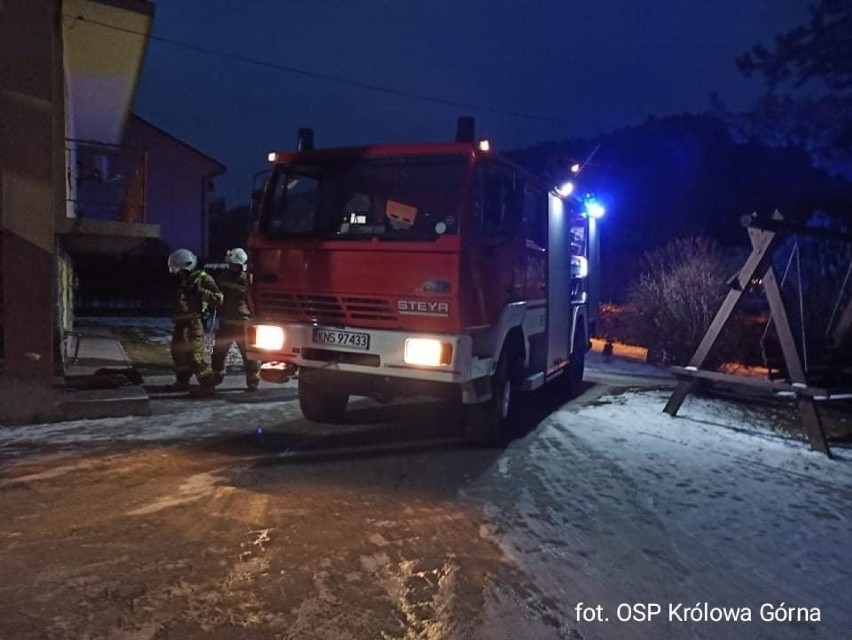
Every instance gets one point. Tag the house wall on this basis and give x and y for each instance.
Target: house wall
(65, 279)
(108, 182)
(103, 65)
(176, 195)
(31, 182)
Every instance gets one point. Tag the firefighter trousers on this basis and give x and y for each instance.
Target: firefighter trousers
(188, 352)
(230, 332)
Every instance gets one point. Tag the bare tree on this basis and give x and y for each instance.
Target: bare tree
(677, 296)
(808, 72)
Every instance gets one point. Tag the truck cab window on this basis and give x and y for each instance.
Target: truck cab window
(292, 204)
(535, 216)
(388, 199)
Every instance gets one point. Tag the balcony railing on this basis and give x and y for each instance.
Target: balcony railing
(105, 182)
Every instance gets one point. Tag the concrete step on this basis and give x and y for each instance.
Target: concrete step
(94, 384)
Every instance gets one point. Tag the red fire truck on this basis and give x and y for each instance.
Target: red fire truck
(430, 269)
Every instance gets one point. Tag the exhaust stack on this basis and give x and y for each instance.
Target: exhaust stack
(465, 129)
(305, 139)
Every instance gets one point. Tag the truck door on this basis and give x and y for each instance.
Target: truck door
(559, 310)
(535, 228)
(535, 284)
(502, 239)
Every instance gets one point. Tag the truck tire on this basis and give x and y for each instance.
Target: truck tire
(488, 424)
(320, 398)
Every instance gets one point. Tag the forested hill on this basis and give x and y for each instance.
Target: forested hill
(685, 174)
(679, 176)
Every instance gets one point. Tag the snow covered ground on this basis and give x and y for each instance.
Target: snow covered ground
(610, 502)
(616, 503)
(605, 511)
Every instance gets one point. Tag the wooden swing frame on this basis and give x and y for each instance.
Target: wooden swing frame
(765, 236)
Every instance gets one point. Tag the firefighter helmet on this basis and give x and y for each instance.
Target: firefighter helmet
(238, 257)
(182, 259)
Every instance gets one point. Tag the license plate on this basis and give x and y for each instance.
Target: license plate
(348, 339)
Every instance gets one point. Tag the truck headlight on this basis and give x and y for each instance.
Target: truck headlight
(268, 337)
(427, 352)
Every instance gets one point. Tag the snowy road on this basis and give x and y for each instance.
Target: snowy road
(235, 518)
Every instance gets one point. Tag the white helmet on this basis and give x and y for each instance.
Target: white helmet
(182, 259)
(237, 256)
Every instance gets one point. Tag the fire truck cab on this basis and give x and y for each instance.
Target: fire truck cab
(402, 270)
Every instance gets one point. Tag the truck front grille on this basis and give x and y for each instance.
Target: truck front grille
(324, 308)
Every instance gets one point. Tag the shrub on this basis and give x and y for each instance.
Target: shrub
(677, 296)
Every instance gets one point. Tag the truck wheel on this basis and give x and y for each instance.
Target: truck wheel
(489, 423)
(574, 374)
(320, 399)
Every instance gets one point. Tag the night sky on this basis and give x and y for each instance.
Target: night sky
(578, 68)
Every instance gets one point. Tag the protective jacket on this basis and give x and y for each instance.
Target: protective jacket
(234, 308)
(196, 296)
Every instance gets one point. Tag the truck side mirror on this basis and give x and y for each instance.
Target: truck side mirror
(256, 198)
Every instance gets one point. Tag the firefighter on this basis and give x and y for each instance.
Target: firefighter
(233, 317)
(196, 295)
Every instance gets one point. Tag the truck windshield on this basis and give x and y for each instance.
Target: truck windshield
(407, 199)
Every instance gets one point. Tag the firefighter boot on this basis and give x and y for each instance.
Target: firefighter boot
(178, 386)
(203, 391)
(206, 388)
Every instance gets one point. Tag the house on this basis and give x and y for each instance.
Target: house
(172, 183)
(76, 178)
(180, 185)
